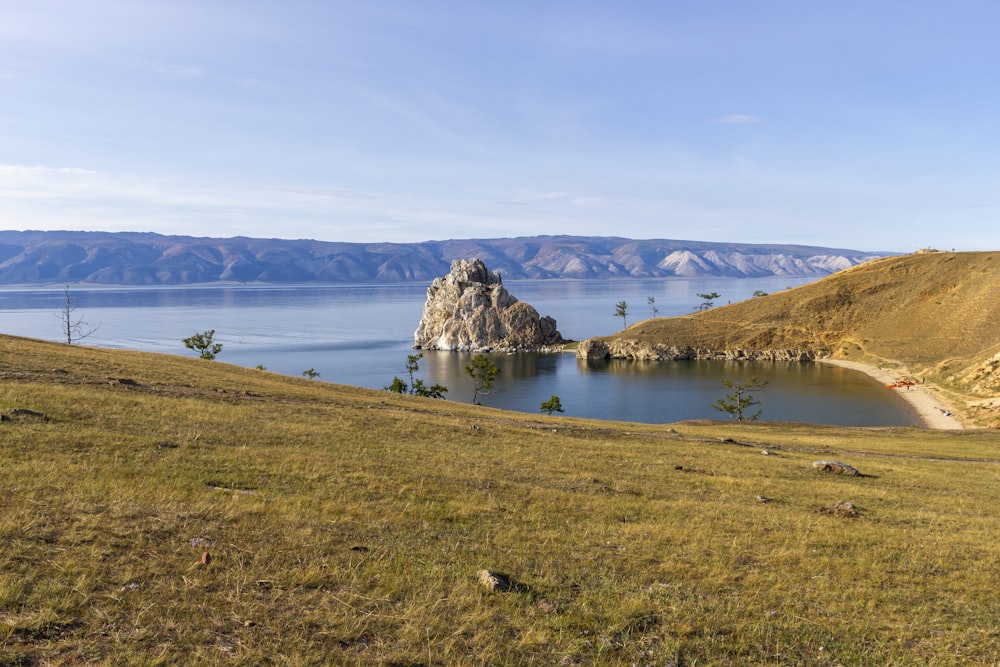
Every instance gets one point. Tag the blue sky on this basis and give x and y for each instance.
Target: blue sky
(869, 125)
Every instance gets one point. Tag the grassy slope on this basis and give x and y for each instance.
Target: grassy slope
(933, 314)
(347, 527)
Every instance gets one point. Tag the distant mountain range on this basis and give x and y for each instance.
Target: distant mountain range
(132, 258)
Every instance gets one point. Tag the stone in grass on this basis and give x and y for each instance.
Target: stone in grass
(547, 606)
(22, 413)
(835, 467)
(493, 581)
(844, 509)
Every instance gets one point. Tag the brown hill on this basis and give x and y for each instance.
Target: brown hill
(932, 314)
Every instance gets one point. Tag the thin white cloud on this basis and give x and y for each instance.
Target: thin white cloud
(56, 190)
(539, 197)
(17, 170)
(590, 201)
(180, 71)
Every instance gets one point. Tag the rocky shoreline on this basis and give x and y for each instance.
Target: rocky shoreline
(619, 348)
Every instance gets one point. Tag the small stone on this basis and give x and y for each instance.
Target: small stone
(493, 581)
(765, 452)
(206, 558)
(24, 412)
(843, 509)
(547, 606)
(835, 467)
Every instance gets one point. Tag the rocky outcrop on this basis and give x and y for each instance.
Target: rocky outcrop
(982, 378)
(596, 348)
(469, 310)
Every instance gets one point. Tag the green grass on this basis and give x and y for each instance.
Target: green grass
(347, 527)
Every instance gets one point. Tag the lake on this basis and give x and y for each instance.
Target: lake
(361, 335)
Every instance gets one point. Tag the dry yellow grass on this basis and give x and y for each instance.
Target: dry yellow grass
(933, 314)
(347, 526)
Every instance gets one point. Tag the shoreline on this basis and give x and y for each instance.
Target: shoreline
(928, 408)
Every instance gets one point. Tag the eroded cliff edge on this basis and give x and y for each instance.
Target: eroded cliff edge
(470, 310)
(596, 348)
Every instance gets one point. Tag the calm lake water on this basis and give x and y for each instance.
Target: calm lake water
(361, 335)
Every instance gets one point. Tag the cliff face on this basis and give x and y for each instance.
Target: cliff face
(470, 310)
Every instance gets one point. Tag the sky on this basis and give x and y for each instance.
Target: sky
(871, 125)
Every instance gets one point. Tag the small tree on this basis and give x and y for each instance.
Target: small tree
(413, 365)
(416, 387)
(398, 386)
(652, 304)
(739, 400)
(310, 373)
(202, 344)
(621, 310)
(552, 405)
(433, 391)
(708, 300)
(483, 373)
(759, 292)
(73, 329)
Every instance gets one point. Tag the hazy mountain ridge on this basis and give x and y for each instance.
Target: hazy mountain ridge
(133, 258)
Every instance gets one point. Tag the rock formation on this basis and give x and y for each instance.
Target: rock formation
(624, 348)
(469, 310)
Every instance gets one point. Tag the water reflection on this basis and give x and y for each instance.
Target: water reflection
(659, 392)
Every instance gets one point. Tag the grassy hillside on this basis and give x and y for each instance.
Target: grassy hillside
(347, 526)
(931, 314)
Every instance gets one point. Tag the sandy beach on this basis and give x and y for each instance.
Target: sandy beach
(929, 409)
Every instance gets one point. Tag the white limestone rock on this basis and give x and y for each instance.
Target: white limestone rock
(469, 310)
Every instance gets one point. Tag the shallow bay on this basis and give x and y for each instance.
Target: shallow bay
(361, 335)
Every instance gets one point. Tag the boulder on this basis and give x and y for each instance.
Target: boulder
(835, 467)
(469, 310)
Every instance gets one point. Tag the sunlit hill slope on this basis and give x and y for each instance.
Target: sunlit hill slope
(162, 510)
